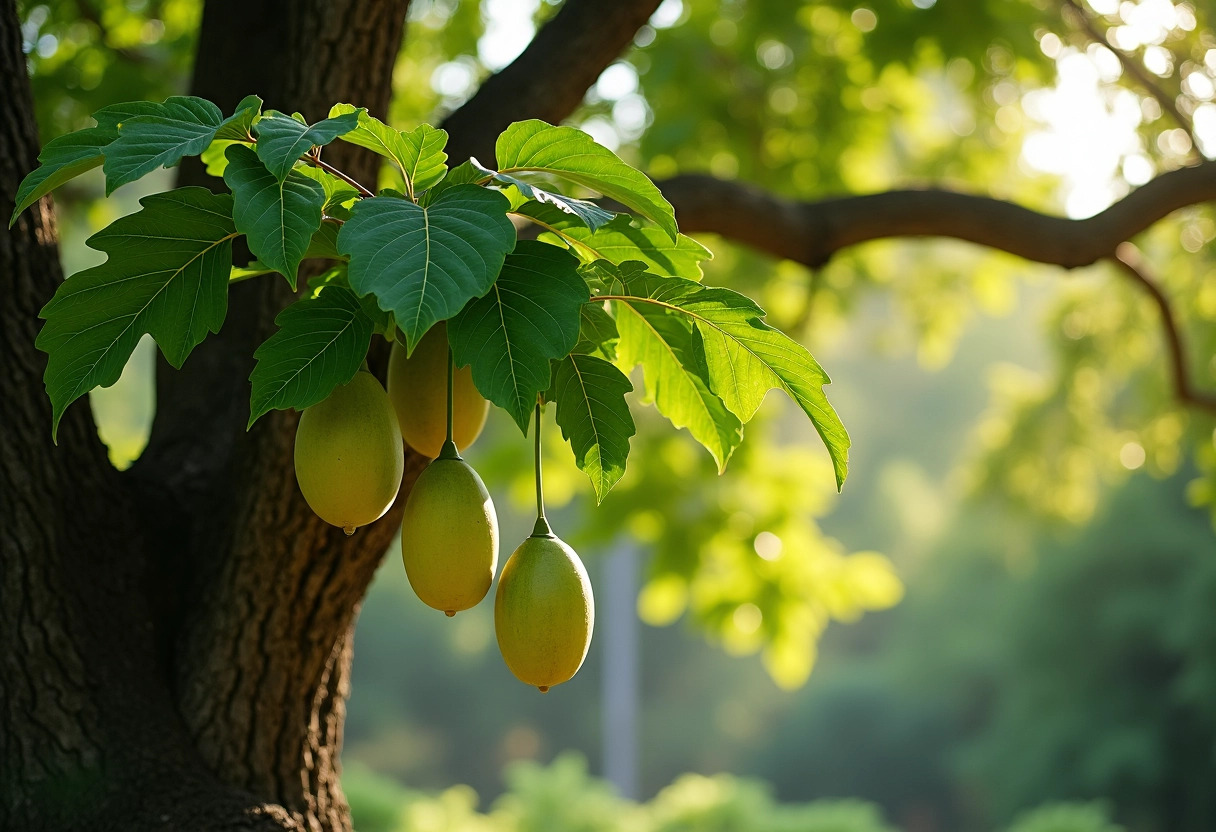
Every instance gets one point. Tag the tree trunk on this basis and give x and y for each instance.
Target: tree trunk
(175, 639)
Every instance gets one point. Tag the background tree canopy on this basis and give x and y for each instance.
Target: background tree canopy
(1030, 386)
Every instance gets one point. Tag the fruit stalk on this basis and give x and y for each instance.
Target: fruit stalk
(449, 451)
(541, 529)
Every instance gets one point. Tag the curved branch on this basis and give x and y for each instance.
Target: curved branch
(811, 232)
(550, 77)
(1129, 260)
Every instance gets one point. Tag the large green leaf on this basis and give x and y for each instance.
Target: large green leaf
(594, 417)
(620, 241)
(321, 343)
(62, 159)
(425, 264)
(282, 140)
(533, 146)
(673, 366)
(166, 275)
(277, 217)
(182, 126)
(418, 153)
(745, 357)
(529, 316)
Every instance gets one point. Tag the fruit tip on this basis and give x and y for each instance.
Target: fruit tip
(543, 688)
(449, 613)
(348, 530)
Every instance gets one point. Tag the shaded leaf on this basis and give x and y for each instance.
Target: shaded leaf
(424, 264)
(282, 140)
(597, 334)
(529, 316)
(166, 275)
(277, 217)
(182, 126)
(321, 343)
(62, 159)
(594, 417)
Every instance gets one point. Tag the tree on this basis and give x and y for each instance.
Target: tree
(176, 638)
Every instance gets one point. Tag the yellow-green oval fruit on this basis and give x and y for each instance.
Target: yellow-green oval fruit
(449, 536)
(348, 455)
(544, 612)
(418, 386)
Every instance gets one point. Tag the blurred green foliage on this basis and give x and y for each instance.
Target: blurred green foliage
(561, 797)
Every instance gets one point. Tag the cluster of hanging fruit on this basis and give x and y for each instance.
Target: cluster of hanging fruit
(349, 461)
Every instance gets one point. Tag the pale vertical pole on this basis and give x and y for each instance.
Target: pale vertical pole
(621, 694)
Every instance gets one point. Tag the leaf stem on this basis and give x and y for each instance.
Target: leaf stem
(541, 529)
(315, 161)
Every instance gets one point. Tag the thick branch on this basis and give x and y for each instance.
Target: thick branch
(811, 232)
(550, 77)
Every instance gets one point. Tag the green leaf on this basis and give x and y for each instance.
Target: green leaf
(529, 316)
(745, 357)
(337, 192)
(215, 158)
(594, 417)
(282, 140)
(541, 202)
(324, 243)
(425, 264)
(114, 115)
(277, 217)
(321, 343)
(536, 147)
(182, 126)
(620, 241)
(166, 275)
(62, 159)
(238, 126)
(253, 268)
(673, 367)
(597, 334)
(418, 153)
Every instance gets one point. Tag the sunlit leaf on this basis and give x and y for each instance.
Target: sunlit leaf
(594, 416)
(282, 140)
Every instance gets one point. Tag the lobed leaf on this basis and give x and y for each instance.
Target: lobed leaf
(597, 334)
(594, 417)
(166, 275)
(534, 146)
(321, 343)
(424, 264)
(673, 368)
(529, 317)
(745, 357)
(418, 153)
(159, 135)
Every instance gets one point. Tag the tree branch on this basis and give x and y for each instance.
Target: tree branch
(1133, 68)
(811, 232)
(1130, 262)
(550, 77)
